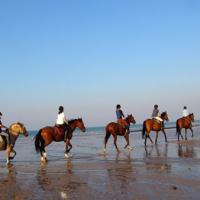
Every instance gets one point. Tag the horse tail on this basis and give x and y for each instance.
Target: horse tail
(107, 136)
(144, 130)
(39, 141)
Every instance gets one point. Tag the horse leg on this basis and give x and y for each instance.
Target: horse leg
(8, 150)
(145, 141)
(181, 135)
(191, 131)
(70, 147)
(43, 152)
(127, 141)
(67, 150)
(185, 134)
(107, 136)
(12, 157)
(156, 137)
(150, 139)
(165, 136)
(115, 143)
(178, 133)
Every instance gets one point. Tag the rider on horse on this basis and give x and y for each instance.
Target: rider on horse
(61, 120)
(156, 115)
(120, 118)
(185, 112)
(5, 130)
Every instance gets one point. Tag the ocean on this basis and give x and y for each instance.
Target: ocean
(90, 144)
(134, 128)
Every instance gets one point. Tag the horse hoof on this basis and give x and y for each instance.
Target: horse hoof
(67, 155)
(43, 159)
(130, 148)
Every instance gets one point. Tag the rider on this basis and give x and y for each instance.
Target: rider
(61, 120)
(185, 112)
(156, 115)
(4, 129)
(120, 118)
(1, 125)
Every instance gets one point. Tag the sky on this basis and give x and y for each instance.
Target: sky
(91, 55)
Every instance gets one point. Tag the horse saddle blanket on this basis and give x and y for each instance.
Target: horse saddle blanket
(1, 138)
(156, 121)
(59, 131)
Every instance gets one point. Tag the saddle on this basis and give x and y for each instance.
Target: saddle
(156, 120)
(59, 130)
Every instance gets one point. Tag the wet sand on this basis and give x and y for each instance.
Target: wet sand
(163, 171)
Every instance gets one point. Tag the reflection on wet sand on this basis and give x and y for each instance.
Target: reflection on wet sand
(10, 181)
(58, 182)
(156, 151)
(157, 158)
(121, 175)
(186, 150)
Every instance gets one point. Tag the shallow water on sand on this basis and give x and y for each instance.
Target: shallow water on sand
(163, 171)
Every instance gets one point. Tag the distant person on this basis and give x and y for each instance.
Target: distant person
(61, 120)
(156, 115)
(120, 118)
(185, 112)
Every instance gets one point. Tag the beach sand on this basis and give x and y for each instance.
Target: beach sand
(163, 171)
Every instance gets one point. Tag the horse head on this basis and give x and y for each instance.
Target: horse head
(18, 128)
(164, 116)
(77, 123)
(191, 117)
(130, 119)
(81, 125)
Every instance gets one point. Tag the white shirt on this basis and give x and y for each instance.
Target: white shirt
(185, 113)
(61, 119)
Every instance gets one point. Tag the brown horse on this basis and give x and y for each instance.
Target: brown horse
(186, 123)
(118, 129)
(7, 142)
(48, 134)
(153, 125)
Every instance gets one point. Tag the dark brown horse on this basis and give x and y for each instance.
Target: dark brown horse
(186, 123)
(154, 125)
(115, 129)
(48, 134)
(7, 142)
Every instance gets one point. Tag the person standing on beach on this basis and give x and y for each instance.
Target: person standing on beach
(120, 118)
(61, 120)
(156, 115)
(185, 112)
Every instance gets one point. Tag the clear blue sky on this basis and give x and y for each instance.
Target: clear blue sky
(90, 55)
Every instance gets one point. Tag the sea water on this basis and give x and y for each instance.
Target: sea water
(89, 145)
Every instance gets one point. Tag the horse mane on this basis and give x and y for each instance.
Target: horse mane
(163, 114)
(73, 120)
